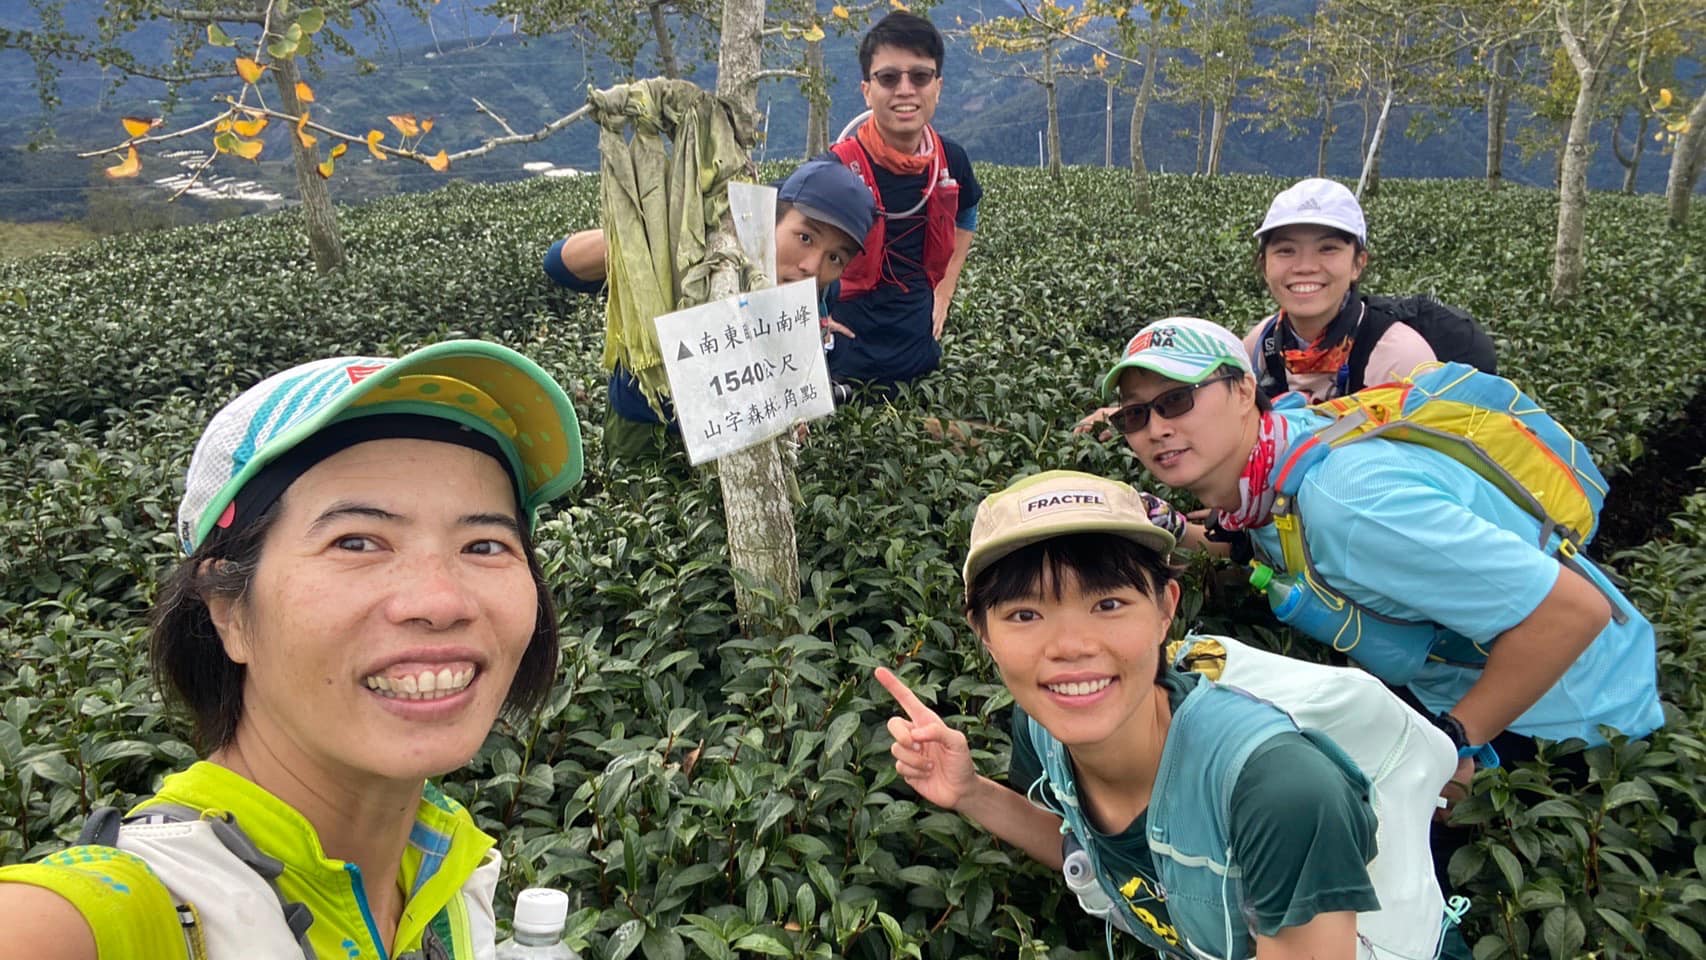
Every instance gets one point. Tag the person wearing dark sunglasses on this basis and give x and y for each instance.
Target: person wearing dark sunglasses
(893, 303)
(1521, 645)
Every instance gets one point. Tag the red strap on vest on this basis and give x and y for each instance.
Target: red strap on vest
(940, 211)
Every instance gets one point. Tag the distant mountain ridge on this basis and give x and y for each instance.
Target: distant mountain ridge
(439, 66)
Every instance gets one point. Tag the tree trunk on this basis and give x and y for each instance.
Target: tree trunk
(1139, 171)
(1108, 120)
(666, 47)
(1202, 133)
(1053, 90)
(1631, 162)
(1370, 163)
(318, 215)
(1326, 136)
(1217, 137)
(817, 100)
(1498, 101)
(1685, 163)
(1568, 259)
(757, 503)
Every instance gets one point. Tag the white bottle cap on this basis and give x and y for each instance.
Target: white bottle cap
(541, 910)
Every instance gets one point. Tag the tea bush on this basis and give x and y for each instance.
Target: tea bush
(701, 791)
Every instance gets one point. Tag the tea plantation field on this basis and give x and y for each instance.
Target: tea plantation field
(704, 792)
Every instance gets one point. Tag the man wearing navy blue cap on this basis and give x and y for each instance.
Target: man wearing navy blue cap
(823, 212)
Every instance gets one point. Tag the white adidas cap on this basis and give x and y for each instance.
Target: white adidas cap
(1326, 203)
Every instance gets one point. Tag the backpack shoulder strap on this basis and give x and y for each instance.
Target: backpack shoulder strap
(1376, 320)
(106, 825)
(1271, 360)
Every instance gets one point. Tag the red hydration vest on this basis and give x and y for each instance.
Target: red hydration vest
(941, 208)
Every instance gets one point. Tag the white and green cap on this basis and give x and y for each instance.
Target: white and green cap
(1180, 348)
(1055, 504)
(484, 387)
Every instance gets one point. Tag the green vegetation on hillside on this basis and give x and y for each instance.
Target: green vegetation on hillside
(698, 790)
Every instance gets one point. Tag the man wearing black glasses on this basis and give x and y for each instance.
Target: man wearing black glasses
(887, 323)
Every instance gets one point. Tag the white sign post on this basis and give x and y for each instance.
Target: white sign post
(746, 368)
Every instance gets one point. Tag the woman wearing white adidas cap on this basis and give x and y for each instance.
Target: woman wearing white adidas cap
(359, 603)
(1328, 339)
(1523, 645)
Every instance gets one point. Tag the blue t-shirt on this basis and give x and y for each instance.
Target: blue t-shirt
(892, 341)
(626, 400)
(1410, 533)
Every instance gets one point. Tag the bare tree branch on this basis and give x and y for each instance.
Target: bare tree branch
(779, 75)
(204, 16)
(500, 120)
(540, 134)
(1033, 16)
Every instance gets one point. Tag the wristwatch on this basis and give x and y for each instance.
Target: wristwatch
(1483, 754)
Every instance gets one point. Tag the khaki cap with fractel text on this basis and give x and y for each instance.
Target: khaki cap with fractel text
(1055, 504)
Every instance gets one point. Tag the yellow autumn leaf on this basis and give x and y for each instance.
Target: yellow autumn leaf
(426, 126)
(304, 92)
(249, 70)
(813, 34)
(373, 138)
(339, 150)
(225, 142)
(405, 124)
(439, 161)
(223, 126)
(249, 127)
(1101, 62)
(137, 126)
(302, 135)
(1680, 125)
(1664, 98)
(897, 4)
(840, 12)
(248, 149)
(324, 169)
(130, 166)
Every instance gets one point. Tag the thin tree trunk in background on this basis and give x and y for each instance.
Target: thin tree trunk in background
(1326, 136)
(1498, 103)
(1139, 171)
(1202, 133)
(1108, 133)
(1217, 138)
(757, 503)
(666, 46)
(1371, 161)
(1053, 91)
(817, 100)
(1685, 164)
(319, 217)
(1631, 162)
(1568, 259)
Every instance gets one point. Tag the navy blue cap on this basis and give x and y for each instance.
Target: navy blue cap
(828, 192)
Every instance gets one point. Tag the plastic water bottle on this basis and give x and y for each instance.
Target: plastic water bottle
(540, 915)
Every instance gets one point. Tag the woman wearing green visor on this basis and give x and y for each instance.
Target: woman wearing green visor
(359, 602)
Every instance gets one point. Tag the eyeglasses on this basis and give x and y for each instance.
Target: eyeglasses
(1174, 403)
(889, 78)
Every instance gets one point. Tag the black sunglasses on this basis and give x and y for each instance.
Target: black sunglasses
(890, 78)
(1174, 403)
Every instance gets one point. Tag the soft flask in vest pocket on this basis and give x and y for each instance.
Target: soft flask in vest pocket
(1393, 650)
